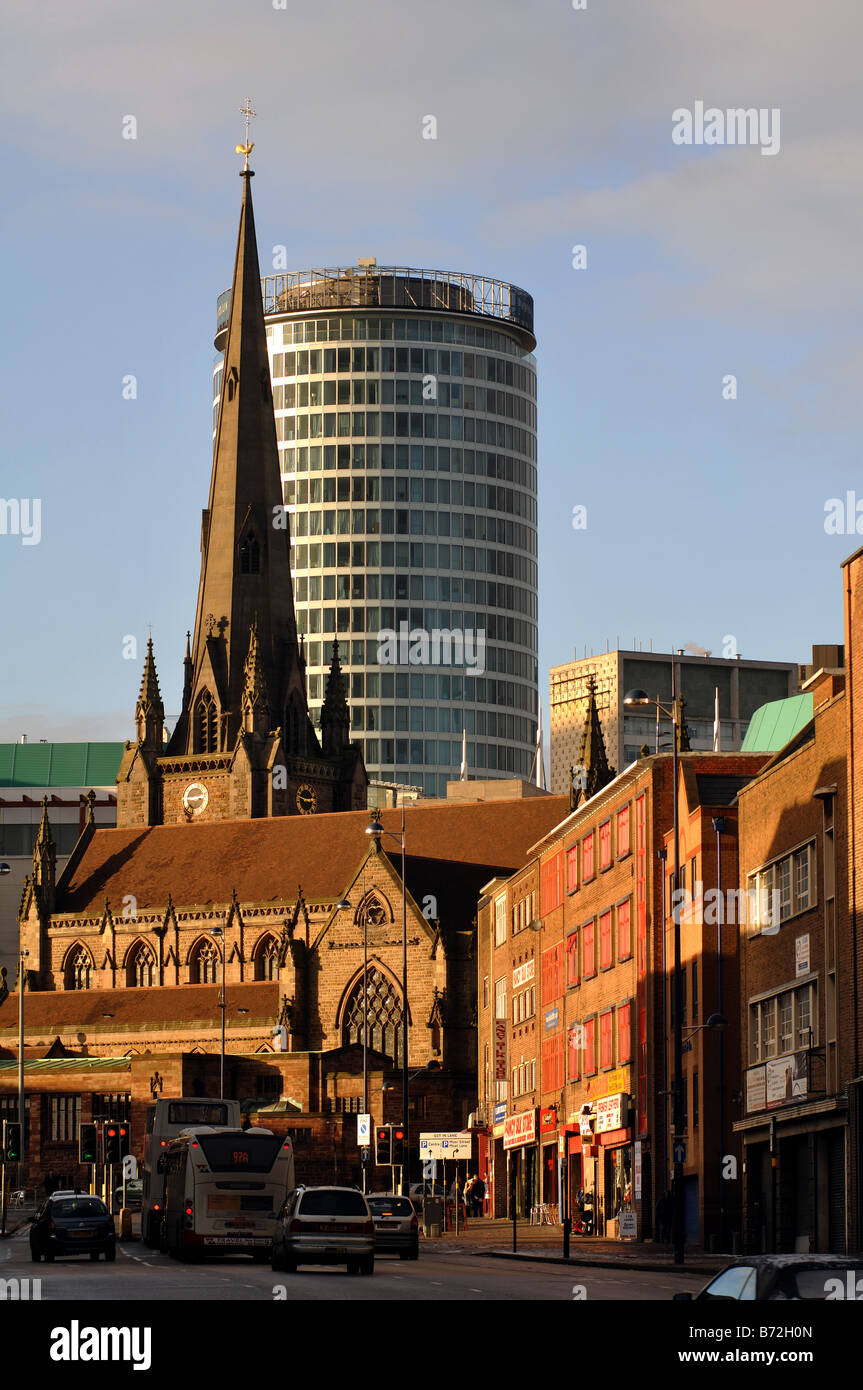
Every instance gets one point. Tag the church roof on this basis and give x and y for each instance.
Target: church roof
(62, 1011)
(265, 860)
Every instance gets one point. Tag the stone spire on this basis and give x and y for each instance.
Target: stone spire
(256, 703)
(335, 716)
(682, 728)
(593, 771)
(45, 859)
(245, 545)
(149, 711)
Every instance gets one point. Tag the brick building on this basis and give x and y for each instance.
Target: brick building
(573, 975)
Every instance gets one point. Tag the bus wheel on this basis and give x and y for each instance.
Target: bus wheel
(367, 1264)
(260, 1257)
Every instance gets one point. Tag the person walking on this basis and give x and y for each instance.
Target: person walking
(478, 1194)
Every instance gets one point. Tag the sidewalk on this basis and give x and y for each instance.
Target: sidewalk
(492, 1237)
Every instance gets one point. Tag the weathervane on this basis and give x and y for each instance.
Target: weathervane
(246, 110)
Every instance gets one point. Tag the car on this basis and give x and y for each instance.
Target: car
(134, 1195)
(396, 1225)
(777, 1278)
(325, 1225)
(73, 1223)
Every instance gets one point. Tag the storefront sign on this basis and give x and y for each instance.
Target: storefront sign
(756, 1090)
(786, 1079)
(636, 1171)
(611, 1113)
(609, 1083)
(547, 1120)
(498, 1115)
(552, 1018)
(801, 955)
(523, 974)
(519, 1129)
(585, 1124)
(627, 1224)
(500, 1049)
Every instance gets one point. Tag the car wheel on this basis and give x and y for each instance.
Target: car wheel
(34, 1255)
(111, 1253)
(260, 1257)
(367, 1265)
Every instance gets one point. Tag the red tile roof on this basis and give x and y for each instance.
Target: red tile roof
(265, 860)
(185, 1005)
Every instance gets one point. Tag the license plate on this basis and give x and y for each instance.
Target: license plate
(236, 1240)
(81, 1235)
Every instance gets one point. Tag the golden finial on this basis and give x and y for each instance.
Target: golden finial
(246, 149)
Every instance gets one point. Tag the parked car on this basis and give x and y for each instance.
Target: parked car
(134, 1195)
(325, 1225)
(396, 1225)
(73, 1223)
(774, 1278)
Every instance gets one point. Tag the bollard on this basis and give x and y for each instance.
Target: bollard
(125, 1216)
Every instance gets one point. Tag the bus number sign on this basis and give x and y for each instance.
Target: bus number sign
(241, 1155)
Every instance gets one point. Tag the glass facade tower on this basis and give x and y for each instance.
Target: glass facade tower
(405, 404)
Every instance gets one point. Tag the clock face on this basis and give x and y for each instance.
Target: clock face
(195, 798)
(307, 799)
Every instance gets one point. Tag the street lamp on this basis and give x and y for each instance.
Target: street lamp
(217, 932)
(375, 828)
(719, 826)
(639, 699)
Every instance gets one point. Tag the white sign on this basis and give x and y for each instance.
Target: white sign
(786, 1078)
(130, 1166)
(519, 1129)
(523, 974)
(610, 1112)
(445, 1144)
(500, 1049)
(364, 1130)
(585, 1124)
(627, 1224)
(756, 1089)
(801, 955)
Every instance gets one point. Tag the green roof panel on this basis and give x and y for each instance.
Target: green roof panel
(59, 764)
(775, 724)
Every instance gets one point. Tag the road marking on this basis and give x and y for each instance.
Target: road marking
(474, 1290)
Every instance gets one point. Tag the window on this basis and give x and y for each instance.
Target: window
(605, 940)
(250, 554)
(623, 832)
(500, 998)
(63, 1118)
(380, 1013)
(624, 932)
(590, 1047)
(605, 1050)
(695, 991)
(267, 959)
(624, 1033)
(140, 967)
(552, 883)
(552, 973)
(206, 724)
(605, 845)
(79, 969)
(572, 959)
(204, 962)
(780, 1025)
(589, 955)
(587, 858)
(553, 1063)
(117, 1105)
(572, 868)
(573, 1069)
(803, 1010)
(500, 920)
(780, 890)
(801, 876)
(485, 991)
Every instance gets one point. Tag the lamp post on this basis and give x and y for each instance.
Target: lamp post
(343, 905)
(633, 699)
(217, 932)
(719, 826)
(376, 829)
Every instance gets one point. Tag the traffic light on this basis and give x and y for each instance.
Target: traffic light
(12, 1141)
(398, 1145)
(125, 1139)
(111, 1133)
(88, 1144)
(383, 1145)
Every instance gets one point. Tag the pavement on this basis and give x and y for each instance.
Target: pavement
(493, 1237)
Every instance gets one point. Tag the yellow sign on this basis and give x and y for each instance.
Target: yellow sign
(609, 1084)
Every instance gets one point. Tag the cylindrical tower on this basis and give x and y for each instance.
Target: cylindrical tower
(405, 405)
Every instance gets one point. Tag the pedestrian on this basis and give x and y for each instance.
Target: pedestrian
(478, 1194)
(467, 1194)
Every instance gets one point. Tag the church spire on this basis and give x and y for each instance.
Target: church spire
(256, 703)
(45, 858)
(149, 711)
(335, 716)
(593, 769)
(245, 545)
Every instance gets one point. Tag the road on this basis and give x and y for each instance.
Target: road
(141, 1274)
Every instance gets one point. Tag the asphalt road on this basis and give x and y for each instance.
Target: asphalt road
(141, 1274)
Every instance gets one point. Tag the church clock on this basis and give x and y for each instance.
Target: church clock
(195, 798)
(307, 799)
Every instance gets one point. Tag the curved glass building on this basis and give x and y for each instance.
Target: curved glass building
(405, 405)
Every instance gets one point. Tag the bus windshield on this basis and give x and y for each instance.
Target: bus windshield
(197, 1112)
(244, 1152)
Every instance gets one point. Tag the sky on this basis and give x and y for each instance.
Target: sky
(705, 513)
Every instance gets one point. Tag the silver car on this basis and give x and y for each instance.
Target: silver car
(325, 1226)
(396, 1225)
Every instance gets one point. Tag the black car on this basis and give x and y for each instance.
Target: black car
(73, 1223)
(777, 1278)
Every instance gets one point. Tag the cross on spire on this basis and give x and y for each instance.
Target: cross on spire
(246, 149)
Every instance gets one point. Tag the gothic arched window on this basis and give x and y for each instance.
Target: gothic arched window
(385, 1016)
(204, 963)
(250, 554)
(140, 967)
(79, 969)
(267, 958)
(206, 724)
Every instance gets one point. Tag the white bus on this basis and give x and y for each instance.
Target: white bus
(165, 1119)
(224, 1189)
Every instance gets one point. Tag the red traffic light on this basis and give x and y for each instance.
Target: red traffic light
(398, 1133)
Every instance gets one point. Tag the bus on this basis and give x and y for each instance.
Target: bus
(165, 1119)
(224, 1190)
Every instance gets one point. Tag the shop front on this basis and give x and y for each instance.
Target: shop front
(550, 1173)
(519, 1142)
(617, 1162)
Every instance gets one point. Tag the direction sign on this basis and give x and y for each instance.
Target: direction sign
(679, 1151)
(364, 1130)
(446, 1144)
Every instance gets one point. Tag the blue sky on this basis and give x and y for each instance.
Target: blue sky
(705, 516)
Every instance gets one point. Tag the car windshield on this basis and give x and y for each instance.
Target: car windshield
(333, 1204)
(737, 1283)
(79, 1206)
(390, 1206)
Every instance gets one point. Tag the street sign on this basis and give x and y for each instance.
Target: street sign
(679, 1152)
(130, 1166)
(364, 1130)
(446, 1145)
(627, 1224)
(364, 1155)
